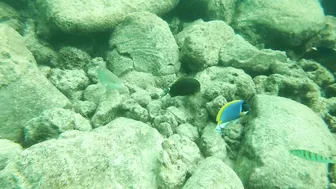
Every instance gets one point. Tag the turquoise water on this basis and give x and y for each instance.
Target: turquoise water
(141, 94)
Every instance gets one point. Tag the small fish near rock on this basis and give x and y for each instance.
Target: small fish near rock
(311, 156)
(183, 86)
(231, 111)
(108, 79)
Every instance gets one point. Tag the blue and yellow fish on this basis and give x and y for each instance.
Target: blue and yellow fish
(311, 156)
(229, 112)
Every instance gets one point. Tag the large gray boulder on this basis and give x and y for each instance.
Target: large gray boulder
(213, 173)
(200, 43)
(24, 91)
(277, 24)
(277, 125)
(143, 42)
(96, 15)
(123, 154)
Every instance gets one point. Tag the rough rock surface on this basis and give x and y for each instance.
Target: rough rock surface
(72, 58)
(200, 43)
(316, 72)
(121, 155)
(277, 125)
(300, 89)
(211, 144)
(10, 16)
(146, 45)
(238, 53)
(51, 123)
(88, 16)
(188, 130)
(229, 82)
(69, 82)
(24, 91)
(8, 152)
(279, 23)
(179, 156)
(213, 173)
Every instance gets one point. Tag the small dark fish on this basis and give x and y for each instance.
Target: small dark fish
(183, 87)
(305, 154)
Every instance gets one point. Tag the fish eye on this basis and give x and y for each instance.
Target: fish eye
(166, 90)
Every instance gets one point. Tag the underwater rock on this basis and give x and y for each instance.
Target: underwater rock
(302, 90)
(188, 130)
(215, 105)
(69, 81)
(316, 72)
(51, 123)
(324, 56)
(93, 93)
(140, 79)
(331, 90)
(119, 155)
(165, 124)
(238, 53)
(179, 113)
(146, 40)
(179, 156)
(8, 151)
(154, 108)
(45, 70)
(131, 109)
(10, 17)
(200, 43)
(219, 9)
(212, 144)
(42, 50)
(24, 92)
(233, 136)
(95, 16)
(72, 58)
(213, 173)
(92, 66)
(275, 126)
(85, 108)
(107, 110)
(325, 38)
(214, 81)
(17, 4)
(331, 105)
(278, 24)
(118, 63)
(141, 97)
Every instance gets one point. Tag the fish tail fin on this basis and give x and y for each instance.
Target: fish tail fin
(220, 127)
(219, 130)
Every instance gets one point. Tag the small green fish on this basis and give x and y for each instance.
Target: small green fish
(108, 79)
(305, 154)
